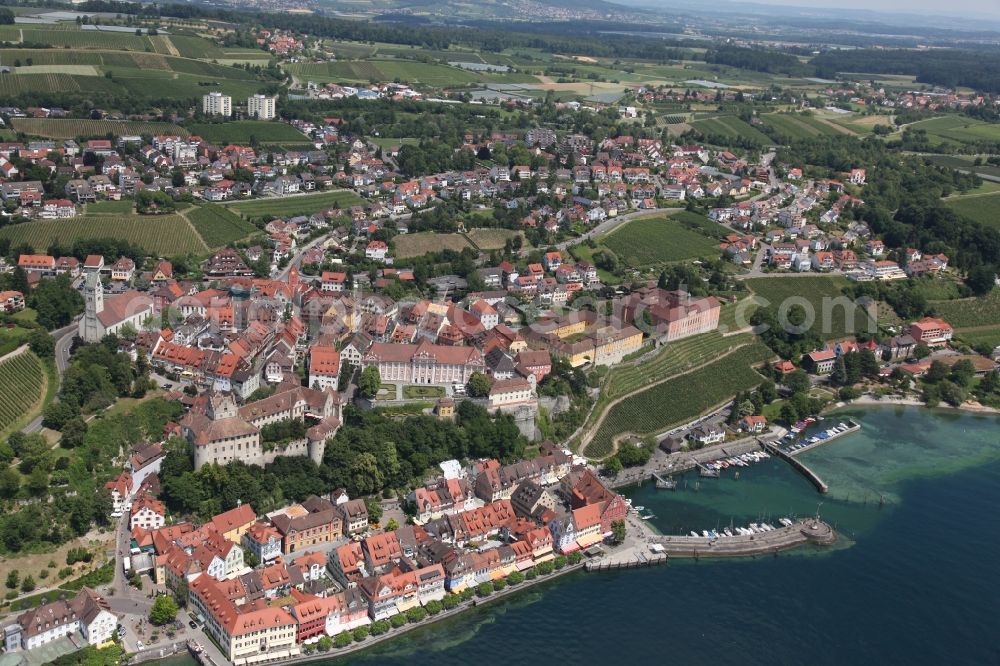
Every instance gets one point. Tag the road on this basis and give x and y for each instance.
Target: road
(63, 341)
(611, 223)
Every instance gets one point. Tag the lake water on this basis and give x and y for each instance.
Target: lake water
(912, 580)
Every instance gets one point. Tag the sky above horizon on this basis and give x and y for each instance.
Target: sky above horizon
(952, 7)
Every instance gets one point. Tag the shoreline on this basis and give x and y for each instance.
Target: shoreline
(868, 400)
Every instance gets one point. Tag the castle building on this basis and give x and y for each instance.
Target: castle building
(222, 432)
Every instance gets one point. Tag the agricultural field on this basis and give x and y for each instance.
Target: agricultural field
(817, 291)
(959, 128)
(218, 226)
(800, 125)
(962, 162)
(983, 208)
(21, 380)
(67, 128)
(731, 126)
(674, 402)
(163, 235)
(970, 312)
(81, 39)
(654, 240)
(415, 245)
(490, 239)
(673, 358)
(303, 204)
(242, 131)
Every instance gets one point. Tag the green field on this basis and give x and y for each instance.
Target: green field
(731, 127)
(959, 128)
(673, 358)
(218, 226)
(163, 235)
(242, 131)
(304, 204)
(817, 291)
(970, 312)
(962, 162)
(654, 240)
(21, 379)
(984, 209)
(675, 402)
(123, 207)
(66, 128)
(798, 125)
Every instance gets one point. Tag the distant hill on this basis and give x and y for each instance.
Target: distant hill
(483, 9)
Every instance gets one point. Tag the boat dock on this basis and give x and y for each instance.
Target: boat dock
(800, 533)
(851, 427)
(797, 464)
(667, 483)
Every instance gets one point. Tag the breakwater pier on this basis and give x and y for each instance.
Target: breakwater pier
(813, 477)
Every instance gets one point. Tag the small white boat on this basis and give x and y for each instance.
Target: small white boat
(693, 533)
(639, 508)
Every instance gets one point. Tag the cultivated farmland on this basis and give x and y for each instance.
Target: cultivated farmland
(490, 239)
(731, 127)
(66, 128)
(20, 387)
(816, 291)
(679, 400)
(303, 204)
(984, 209)
(798, 125)
(654, 240)
(970, 312)
(218, 226)
(164, 235)
(415, 245)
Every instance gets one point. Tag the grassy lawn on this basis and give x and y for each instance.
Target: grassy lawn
(655, 240)
(418, 392)
(820, 293)
(304, 204)
(123, 207)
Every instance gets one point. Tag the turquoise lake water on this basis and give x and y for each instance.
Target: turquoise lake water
(912, 581)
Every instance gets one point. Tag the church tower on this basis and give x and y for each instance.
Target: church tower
(93, 294)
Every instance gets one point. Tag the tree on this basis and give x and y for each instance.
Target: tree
(42, 343)
(618, 531)
(369, 382)
(360, 634)
(392, 525)
(379, 627)
(797, 381)
(10, 483)
(374, 508)
(28, 584)
(514, 578)
(839, 375)
(73, 433)
(479, 385)
(937, 372)
(343, 639)
(951, 393)
(560, 561)
(962, 372)
(484, 590)
(921, 351)
(13, 579)
(164, 610)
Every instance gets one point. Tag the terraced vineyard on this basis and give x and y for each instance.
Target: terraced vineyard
(653, 240)
(67, 128)
(681, 399)
(970, 312)
(163, 235)
(304, 204)
(731, 127)
(218, 226)
(674, 358)
(798, 125)
(20, 387)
